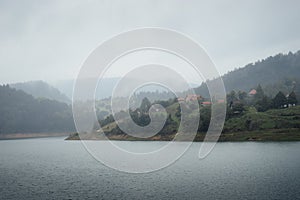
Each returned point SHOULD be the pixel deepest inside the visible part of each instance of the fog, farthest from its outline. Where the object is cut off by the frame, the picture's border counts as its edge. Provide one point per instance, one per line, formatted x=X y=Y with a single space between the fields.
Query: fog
x=50 y=40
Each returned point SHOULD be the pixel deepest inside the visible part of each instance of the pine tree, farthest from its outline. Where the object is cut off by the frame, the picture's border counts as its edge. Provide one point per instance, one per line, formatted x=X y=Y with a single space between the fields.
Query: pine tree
x=242 y=95
x=279 y=100
x=259 y=94
x=231 y=98
x=145 y=106
x=264 y=104
x=292 y=99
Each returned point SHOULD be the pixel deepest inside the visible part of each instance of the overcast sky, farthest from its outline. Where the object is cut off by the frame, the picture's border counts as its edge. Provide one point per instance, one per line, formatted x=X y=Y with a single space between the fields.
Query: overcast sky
x=49 y=40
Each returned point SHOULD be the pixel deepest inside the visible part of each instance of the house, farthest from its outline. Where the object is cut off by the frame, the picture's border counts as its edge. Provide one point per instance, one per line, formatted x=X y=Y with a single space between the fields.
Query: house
x=206 y=103
x=252 y=92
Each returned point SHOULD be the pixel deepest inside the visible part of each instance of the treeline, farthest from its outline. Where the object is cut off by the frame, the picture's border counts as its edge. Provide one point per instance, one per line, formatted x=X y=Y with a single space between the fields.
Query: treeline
x=240 y=105
x=141 y=117
x=22 y=113
x=262 y=102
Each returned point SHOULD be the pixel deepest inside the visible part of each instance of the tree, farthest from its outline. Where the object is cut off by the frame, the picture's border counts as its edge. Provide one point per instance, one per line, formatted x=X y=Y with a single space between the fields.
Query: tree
x=279 y=100
x=22 y=113
x=263 y=105
x=238 y=107
x=292 y=99
x=242 y=95
x=231 y=97
x=204 y=119
x=145 y=106
x=259 y=93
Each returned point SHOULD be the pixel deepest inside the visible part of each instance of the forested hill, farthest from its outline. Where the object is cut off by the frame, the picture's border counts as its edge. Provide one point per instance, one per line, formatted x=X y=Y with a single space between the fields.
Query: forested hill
x=283 y=68
x=22 y=113
x=41 y=89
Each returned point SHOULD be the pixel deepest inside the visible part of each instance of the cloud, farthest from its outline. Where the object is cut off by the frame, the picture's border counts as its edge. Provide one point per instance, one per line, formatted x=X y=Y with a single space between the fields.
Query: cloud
x=50 y=40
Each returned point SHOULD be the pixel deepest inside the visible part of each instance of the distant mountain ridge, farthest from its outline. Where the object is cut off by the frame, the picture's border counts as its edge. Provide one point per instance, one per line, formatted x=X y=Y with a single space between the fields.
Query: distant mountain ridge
x=66 y=86
x=41 y=89
x=266 y=72
x=105 y=87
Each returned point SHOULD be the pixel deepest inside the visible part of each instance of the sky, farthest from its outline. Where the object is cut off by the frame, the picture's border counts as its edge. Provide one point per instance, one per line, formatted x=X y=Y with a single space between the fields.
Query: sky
x=50 y=40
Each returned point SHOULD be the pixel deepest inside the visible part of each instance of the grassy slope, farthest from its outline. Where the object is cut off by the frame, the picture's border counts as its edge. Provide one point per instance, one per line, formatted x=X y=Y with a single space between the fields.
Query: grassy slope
x=252 y=120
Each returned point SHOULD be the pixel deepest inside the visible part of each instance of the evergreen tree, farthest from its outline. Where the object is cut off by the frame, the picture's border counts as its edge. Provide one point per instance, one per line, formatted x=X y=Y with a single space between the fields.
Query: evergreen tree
x=238 y=107
x=231 y=96
x=145 y=106
x=242 y=95
x=279 y=100
x=292 y=99
x=259 y=94
x=263 y=105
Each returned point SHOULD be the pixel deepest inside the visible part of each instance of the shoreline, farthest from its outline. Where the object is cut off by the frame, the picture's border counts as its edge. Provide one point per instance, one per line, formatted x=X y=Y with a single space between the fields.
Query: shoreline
x=277 y=135
x=17 y=136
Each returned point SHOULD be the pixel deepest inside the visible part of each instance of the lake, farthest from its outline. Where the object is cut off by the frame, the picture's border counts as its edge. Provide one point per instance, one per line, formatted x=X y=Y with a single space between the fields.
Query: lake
x=51 y=168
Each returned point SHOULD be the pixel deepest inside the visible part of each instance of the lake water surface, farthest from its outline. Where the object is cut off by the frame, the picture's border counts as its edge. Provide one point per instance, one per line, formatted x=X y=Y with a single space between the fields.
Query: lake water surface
x=51 y=168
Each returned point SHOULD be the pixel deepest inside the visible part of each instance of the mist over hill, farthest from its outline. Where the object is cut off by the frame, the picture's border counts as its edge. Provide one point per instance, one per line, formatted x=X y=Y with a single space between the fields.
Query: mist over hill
x=279 y=70
x=275 y=73
x=66 y=86
x=106 y=86
x=41 y=89
x=37 y=107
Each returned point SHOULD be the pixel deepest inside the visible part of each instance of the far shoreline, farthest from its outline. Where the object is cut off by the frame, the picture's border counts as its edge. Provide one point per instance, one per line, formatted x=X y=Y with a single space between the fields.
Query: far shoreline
x=275 y=135
x=18 y=136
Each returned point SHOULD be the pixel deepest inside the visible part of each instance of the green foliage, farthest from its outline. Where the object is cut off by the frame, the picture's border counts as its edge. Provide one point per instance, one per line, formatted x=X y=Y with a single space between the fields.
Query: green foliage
x=102 y=114
x=205 y=114
x=231 y=97
x=242 y=96
x=140 y=118
x=145 y=106
x=251 y=120
x=292 y=99
x=286 y=85
x=279 y=100
x=238 y=107
x=41 y=89
x=259 y=94
x=266 y=72
x=109 y=119
x=22 y=113
x=263 y=104
x=244 y=114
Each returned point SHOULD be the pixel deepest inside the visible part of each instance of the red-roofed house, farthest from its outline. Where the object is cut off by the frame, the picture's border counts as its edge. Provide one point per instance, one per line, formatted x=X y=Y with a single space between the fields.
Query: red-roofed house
x=252 y=92
x=206 y=103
